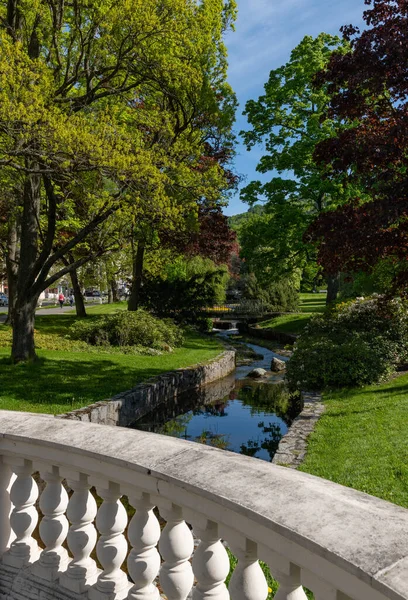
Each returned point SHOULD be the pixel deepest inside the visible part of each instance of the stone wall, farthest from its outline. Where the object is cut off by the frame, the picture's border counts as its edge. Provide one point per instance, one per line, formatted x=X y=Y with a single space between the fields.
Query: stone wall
x=125 y=408
x=292 y=448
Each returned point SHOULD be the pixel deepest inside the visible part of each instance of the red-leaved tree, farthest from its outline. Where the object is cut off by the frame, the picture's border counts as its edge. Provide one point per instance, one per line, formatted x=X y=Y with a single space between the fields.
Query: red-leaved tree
x=369 y=89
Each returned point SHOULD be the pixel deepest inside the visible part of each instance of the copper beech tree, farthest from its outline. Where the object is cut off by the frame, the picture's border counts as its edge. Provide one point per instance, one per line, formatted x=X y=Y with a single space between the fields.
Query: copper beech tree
x=369 y=91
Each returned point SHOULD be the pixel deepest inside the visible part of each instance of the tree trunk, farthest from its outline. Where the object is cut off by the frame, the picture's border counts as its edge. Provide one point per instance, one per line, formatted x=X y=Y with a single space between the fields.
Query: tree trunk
x=333 y=285
x=113 y=285
x=79 y=299
x=134 y=298
x=24 y=296
x=23 y=348
x=23 y=314
x=12 y=259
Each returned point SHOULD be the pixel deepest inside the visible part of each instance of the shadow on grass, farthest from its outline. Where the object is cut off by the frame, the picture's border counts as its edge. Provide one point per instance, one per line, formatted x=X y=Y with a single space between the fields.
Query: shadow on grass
x=401 y=389
x=70 y=382
x=334 y=414
x=57 y=324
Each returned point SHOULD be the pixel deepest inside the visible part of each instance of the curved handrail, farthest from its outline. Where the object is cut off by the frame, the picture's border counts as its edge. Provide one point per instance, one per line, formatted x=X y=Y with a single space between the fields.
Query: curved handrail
x=320 y=526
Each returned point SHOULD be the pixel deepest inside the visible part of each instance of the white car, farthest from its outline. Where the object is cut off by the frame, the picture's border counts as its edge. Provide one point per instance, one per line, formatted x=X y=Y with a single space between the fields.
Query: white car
x=3 y=300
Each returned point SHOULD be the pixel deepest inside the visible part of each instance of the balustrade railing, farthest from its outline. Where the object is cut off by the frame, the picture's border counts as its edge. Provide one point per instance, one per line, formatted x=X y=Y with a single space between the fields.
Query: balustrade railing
x=109 y=513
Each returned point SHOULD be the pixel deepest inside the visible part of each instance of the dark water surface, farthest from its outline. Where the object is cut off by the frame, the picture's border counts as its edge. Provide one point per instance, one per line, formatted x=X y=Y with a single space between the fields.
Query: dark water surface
x=236 y=413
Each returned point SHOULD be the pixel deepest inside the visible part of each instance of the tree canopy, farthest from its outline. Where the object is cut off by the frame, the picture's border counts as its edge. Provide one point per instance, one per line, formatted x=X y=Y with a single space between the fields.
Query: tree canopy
x=369 y=88
x=288 y=120
x=104 y=107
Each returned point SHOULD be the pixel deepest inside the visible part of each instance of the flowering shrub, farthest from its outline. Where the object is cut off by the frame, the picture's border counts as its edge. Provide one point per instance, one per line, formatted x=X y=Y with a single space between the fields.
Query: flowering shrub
x=356 y=343
x=128 y=329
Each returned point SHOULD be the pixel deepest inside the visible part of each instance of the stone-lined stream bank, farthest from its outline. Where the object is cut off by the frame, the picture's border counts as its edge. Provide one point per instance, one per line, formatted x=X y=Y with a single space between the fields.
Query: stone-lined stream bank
x=218 y=404
x=237 y=413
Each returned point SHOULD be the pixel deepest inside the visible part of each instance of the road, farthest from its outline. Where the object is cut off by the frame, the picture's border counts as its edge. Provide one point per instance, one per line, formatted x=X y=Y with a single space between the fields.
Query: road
x=40 y=311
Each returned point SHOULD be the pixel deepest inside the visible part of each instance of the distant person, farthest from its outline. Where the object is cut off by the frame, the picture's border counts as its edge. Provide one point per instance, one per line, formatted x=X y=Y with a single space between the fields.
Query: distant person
x=61 y=299
x=71 y=300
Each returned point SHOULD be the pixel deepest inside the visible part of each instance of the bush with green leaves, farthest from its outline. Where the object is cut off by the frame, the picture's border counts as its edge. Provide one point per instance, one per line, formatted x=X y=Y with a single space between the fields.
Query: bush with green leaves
x=127 y=329
x=185 y=290
x=277 y=296
x=354 y=344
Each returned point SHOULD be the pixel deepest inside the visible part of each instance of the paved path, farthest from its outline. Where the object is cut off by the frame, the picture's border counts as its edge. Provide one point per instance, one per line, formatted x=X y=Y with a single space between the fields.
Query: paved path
x=41 y=311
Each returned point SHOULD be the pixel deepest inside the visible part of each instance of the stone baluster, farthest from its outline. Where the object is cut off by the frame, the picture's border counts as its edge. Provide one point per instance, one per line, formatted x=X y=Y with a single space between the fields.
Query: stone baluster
x=176 y=547
x=143 y=560
x=287 y=574
x=322 y=590
x=7 y=479
x=111 y=549
x=53 y=526
x=24 y=516
x=248 y=581
x=290 y=587
x=81 y=572
x=210 y=562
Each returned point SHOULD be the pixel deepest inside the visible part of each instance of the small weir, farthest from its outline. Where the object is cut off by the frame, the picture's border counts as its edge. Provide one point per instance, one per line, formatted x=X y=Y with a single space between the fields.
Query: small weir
x=236 y=413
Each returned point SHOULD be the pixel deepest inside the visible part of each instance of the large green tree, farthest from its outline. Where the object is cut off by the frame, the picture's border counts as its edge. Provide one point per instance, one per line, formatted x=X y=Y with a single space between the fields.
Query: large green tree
x=107 y=98
x=288 y=121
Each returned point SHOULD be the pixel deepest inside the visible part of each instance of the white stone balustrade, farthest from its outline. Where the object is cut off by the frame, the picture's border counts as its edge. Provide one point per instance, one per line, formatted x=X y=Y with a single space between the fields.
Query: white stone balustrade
x=54 y=558
x=339 y=543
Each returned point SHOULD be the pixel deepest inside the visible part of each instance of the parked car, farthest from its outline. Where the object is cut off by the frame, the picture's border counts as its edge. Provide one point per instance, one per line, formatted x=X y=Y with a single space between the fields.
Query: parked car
x=3 y=300
x=92 y=294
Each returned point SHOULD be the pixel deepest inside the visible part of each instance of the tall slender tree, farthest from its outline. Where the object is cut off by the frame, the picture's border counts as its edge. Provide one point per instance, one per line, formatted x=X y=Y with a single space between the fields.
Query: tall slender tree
x=288 y=120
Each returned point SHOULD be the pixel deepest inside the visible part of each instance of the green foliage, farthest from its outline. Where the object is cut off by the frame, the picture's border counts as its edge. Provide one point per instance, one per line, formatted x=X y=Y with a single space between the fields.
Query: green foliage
x=204 y=324
x=188 y=287
x=127 y=329
x=356 y=343
x=289 y=120
x=379 y=280
x=110 y=113
x=279 y=296
x=237 y=221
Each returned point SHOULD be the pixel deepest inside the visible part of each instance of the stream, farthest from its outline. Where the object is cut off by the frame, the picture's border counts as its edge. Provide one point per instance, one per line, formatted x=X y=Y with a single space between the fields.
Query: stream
x=236 y=413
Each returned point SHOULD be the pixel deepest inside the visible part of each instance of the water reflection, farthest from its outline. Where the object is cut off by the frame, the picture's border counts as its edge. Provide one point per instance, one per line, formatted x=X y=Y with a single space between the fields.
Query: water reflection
x=241 y=415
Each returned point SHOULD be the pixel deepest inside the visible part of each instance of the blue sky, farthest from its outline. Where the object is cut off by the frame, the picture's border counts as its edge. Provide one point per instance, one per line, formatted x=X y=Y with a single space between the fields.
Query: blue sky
x=266 y=32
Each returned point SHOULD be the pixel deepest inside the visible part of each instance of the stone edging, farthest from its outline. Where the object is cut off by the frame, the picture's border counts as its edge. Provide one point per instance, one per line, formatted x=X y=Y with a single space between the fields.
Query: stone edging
x=292 y=448
x=129 y=406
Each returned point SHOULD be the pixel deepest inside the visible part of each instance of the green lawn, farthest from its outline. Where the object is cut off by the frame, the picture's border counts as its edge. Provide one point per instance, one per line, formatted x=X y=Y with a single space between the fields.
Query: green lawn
x=294 y=323
x=60 y=381
x=361 y=440
x=312 y=303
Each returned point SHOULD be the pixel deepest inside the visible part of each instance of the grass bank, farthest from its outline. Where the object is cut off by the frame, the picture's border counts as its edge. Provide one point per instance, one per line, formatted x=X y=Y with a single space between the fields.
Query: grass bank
x=64 y=379
x=361 y=440
x=312 y=303
x=294 y=323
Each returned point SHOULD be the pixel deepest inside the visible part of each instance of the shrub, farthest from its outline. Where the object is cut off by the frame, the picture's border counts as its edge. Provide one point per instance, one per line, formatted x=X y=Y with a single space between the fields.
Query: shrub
x=204 y=324
x=357 y=343
x=183 y=298
x=128 y=329
x=279 y=296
